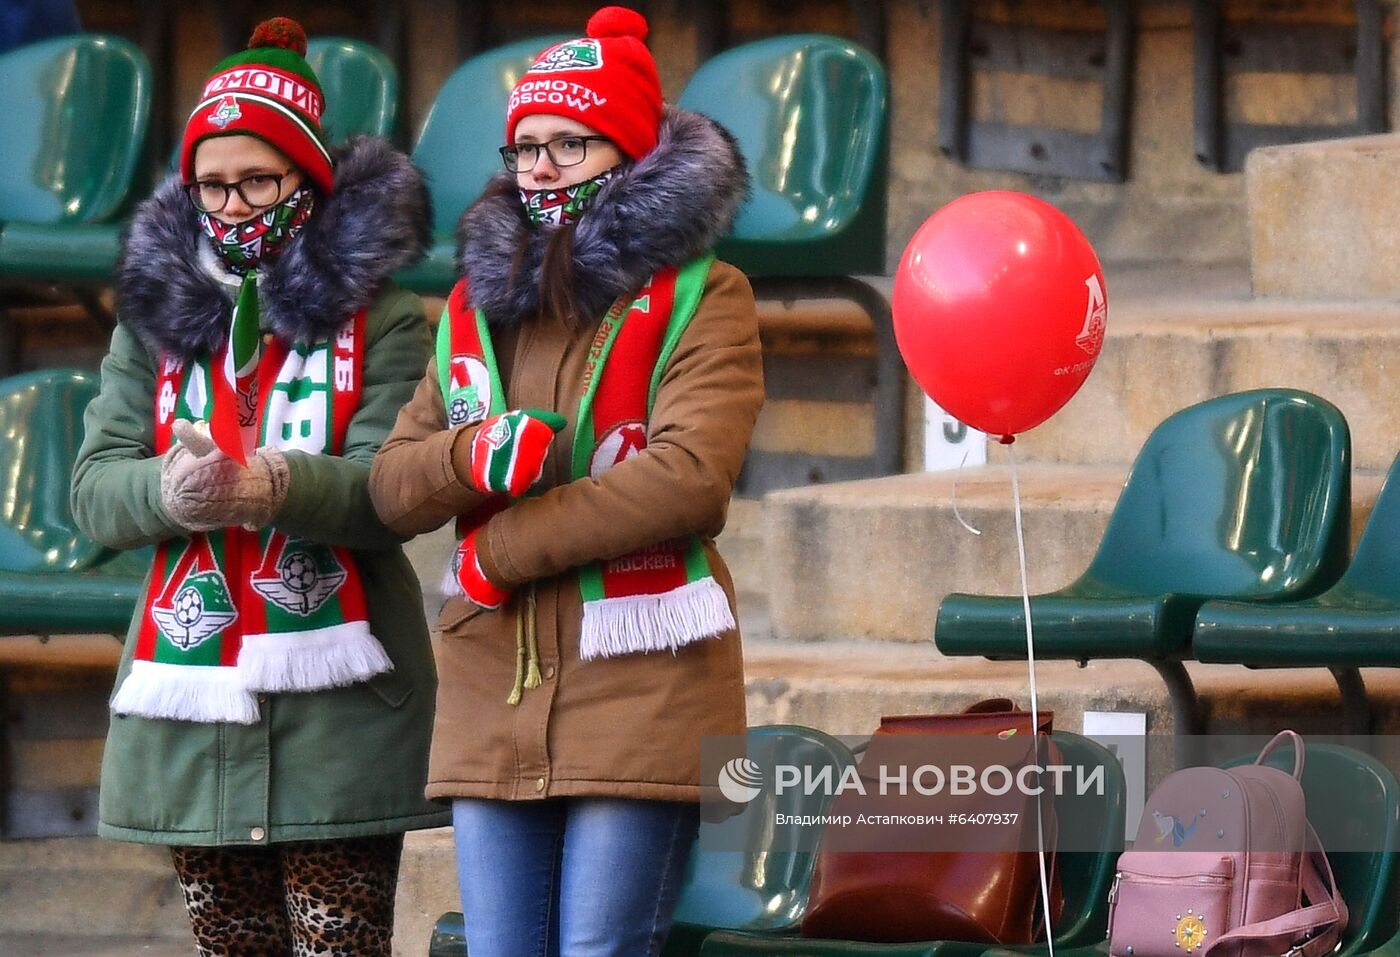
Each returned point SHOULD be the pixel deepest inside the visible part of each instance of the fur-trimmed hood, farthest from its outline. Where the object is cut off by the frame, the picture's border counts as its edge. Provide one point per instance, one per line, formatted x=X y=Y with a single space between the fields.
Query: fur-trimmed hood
x=665 y=209
x=376 y=222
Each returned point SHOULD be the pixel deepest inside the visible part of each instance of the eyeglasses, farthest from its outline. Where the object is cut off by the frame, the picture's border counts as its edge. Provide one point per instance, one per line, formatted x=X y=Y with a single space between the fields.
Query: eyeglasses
x=563 y=151
x=257 y=191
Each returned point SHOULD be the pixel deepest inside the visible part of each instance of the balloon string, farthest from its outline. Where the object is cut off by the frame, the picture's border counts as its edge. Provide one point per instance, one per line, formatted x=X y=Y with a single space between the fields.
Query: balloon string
x=957 y=514
x=1035 y=701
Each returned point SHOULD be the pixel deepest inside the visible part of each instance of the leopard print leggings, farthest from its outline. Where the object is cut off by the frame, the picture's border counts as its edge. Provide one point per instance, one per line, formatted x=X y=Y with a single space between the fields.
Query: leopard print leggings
x=303 y=899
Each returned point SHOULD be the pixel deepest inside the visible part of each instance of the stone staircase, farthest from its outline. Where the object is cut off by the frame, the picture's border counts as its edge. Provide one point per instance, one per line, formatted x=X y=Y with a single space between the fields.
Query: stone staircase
x=854 y=572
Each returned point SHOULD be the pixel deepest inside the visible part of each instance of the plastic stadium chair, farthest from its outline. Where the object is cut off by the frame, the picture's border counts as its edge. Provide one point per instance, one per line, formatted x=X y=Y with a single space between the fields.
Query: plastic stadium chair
x=1091 y=830
x=457 y=149
x=53 y=580
x=1245 y=496
x=762 y=888
x=1354 y=624
x=810 y=114
x=73 y=130
x=360 y=84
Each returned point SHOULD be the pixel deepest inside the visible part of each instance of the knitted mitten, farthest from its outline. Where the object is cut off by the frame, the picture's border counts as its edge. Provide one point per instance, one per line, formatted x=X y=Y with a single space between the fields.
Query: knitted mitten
x=508 y=451
x=203 y=489
x=472 y=579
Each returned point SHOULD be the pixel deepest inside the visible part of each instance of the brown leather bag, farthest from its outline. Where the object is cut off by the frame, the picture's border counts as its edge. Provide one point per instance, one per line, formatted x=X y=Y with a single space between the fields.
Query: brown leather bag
x=982 y=884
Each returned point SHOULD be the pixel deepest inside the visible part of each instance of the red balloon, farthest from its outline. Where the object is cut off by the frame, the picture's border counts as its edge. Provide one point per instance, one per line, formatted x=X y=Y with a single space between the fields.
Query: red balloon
x=999 y=310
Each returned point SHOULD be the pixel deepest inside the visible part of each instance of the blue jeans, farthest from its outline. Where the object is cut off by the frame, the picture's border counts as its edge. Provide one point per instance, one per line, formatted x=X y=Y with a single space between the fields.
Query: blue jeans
x=570 y=877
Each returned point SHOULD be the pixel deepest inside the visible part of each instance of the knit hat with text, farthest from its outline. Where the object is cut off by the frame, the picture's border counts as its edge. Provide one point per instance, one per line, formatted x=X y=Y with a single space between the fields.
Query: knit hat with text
x=606 y=80
x=270 y=92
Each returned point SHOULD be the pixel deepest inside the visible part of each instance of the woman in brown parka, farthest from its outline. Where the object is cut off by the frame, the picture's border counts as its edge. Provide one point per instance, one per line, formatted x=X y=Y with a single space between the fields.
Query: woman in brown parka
x=596 y=383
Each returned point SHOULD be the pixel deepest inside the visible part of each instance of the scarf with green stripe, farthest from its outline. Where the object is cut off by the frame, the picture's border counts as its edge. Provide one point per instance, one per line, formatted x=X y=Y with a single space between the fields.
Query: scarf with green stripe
x=235 y=612
x=661 y=597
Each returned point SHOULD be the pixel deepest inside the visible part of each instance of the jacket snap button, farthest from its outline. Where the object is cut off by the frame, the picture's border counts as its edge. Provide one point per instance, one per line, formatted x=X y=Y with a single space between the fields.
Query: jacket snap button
x=539 y=784
x=549 y=672
x=257 y=834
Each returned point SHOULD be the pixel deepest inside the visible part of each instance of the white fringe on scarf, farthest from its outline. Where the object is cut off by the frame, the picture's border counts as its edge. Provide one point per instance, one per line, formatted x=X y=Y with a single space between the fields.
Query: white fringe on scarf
x=645 y=623
x=186 y=693
x=312 y=660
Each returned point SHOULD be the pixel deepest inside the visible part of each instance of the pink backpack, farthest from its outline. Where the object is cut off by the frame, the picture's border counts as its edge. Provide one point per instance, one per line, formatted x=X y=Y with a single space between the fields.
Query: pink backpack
x=1226 y=865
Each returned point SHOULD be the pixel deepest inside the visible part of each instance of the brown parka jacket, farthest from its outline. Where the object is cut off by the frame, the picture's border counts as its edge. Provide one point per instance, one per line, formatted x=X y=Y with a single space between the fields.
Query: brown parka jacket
x=628 y=726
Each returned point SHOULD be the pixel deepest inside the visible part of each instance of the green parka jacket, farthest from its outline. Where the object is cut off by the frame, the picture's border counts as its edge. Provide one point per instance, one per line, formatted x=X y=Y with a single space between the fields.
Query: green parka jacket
x=345 y=762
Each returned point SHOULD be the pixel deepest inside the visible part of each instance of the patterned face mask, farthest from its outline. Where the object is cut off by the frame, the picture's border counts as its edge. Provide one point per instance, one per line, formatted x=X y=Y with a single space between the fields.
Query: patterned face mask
x=549 y=208
x=244 y=246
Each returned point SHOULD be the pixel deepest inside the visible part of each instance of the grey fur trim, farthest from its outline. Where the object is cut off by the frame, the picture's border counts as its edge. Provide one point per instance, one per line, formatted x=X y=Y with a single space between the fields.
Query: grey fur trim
x=377 y=221
x=663 y=210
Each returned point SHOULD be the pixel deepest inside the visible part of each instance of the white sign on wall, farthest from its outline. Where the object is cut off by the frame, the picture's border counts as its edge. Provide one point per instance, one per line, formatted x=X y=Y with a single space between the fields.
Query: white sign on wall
x=948 y=444
x=1125 y=734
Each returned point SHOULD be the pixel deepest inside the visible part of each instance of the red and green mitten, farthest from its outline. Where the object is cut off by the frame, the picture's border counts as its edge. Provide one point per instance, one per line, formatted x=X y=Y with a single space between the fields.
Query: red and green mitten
x=508 y=450
x=472 y=579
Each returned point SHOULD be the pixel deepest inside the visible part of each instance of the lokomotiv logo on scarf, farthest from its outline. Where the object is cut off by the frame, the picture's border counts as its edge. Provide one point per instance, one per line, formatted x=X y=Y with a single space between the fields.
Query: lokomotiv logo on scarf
x=620 y=443
x=470 y=396
x=298 y=576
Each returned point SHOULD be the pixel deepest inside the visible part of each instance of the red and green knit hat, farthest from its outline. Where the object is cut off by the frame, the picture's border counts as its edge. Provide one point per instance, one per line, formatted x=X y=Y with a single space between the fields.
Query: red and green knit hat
x=270 y=92
x=606 y=80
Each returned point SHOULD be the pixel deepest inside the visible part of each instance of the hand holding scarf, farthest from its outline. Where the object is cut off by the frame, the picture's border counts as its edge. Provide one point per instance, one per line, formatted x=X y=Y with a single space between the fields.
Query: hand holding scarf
x=203 y=489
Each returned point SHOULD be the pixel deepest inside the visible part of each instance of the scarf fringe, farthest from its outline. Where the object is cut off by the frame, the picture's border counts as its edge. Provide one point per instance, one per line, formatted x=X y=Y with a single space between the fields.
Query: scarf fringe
x=312 y=660
x=186 y=693
x=646 y=623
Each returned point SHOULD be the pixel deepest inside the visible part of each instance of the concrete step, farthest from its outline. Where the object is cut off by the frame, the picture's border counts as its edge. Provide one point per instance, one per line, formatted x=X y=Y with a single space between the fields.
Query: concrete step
x=843 y=687
x=1161 y=355
x=90 y=887
x=1322 y=219
x=427 y=889
x=872 y=559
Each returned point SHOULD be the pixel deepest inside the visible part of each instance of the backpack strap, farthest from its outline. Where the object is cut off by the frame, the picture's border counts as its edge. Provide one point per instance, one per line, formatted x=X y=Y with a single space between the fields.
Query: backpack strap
x=1294 y=738
x=1310 y=931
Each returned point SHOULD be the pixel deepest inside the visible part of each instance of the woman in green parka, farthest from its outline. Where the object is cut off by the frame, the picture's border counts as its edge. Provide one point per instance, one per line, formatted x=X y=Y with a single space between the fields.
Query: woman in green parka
x=273 y=706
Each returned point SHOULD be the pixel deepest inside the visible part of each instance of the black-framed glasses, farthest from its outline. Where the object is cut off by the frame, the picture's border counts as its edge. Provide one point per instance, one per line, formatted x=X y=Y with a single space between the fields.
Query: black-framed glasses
x=257 y=191
x=563 y=151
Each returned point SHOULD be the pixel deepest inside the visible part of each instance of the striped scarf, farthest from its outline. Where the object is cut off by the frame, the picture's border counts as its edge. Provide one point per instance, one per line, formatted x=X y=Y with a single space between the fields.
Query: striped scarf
x=663 y=596
x=233 y=612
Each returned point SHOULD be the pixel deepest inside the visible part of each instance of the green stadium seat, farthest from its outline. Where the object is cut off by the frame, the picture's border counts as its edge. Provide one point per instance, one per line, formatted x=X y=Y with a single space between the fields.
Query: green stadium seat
x=73 y=128
x=810 y=114
x=1245 y=496
x=74 y=132
x=457 y=150
x=1354 y=624
x=360 y=84
x=1091 y=830
x=762 y=888
x=54 y=580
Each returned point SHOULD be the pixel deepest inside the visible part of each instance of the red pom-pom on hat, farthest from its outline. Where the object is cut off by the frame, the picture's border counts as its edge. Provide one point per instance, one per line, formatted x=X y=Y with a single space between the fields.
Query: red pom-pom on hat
x=281 y=32
x=617 y=22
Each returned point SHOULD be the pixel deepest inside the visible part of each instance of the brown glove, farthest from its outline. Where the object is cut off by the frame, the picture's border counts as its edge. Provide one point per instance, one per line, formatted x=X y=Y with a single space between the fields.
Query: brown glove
x=203 y=489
